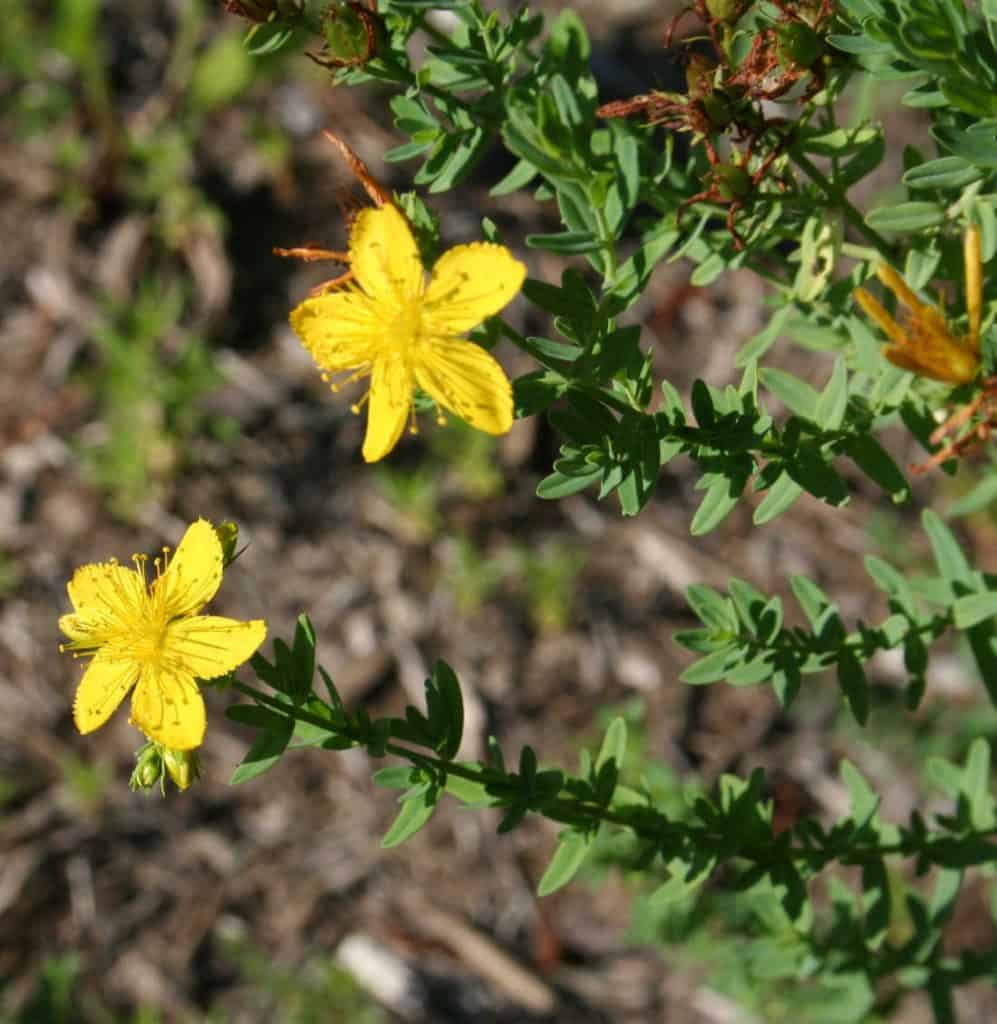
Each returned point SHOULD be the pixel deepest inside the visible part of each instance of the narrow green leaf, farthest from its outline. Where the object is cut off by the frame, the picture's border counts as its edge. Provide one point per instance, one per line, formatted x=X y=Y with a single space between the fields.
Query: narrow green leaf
x=572 y=849
x=614 y=744
x=797 y=395
x=519 y=177
x=948 y=554
x=904 y=218
x=779 y=497
x=718 y=502
x=265 y=751
x=834 y=398
x=854 y=686
x=415 y=812
x=945 y=172
x=865 y=801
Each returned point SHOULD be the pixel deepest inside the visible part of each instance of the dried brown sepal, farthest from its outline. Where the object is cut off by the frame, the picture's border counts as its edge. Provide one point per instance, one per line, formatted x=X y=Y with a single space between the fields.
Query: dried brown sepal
x=262 y=11
x=311 y=252
x=979 y=416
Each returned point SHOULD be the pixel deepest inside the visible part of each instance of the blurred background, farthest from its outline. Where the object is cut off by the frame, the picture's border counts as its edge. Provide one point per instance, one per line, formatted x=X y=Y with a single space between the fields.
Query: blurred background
x=148 y=376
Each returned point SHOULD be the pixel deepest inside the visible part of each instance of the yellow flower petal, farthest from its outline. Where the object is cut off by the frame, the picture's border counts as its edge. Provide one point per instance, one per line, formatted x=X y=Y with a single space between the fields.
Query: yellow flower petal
x=104 y=586
x=340 y=330
x=384 y=257
x=102 y=688
x=208 y=646
x=388 y=409
x=467 y=380
x=470 y=283
x=194 y=573
x=169 y=709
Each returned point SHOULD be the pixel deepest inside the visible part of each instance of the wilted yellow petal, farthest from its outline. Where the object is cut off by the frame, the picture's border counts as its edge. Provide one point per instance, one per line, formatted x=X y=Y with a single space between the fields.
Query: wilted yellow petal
x=208 y=646
x=341 y=330
x=388 y=408
x=467 y=380
x=973 y=259
x=169 y=709
x=384 y=257
x=102 y=688
x=194 y=574
x=469 y=284
x=875 y=311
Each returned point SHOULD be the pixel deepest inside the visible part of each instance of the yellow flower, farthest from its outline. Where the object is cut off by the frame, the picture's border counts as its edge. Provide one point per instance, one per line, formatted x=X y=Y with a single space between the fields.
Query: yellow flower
x=925 y=344
x=403 y=332
x=147 y=634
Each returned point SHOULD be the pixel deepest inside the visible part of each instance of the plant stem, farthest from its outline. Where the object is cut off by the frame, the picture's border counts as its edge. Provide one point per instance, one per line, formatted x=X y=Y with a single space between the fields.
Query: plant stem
x=838 y=198
x=656 y=827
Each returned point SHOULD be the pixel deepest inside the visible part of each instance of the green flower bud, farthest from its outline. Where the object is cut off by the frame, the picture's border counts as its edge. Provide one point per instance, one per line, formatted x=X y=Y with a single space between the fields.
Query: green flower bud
x=228 y=537
x=148 y=768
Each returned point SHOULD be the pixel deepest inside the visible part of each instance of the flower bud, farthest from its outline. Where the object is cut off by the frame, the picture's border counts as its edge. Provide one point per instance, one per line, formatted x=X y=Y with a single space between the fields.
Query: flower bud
x=148 y=768
x=183 y=766
x=228 y=536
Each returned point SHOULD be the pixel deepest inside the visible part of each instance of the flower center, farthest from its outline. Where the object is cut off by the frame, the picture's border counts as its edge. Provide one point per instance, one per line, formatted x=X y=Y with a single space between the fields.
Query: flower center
x=405 y=327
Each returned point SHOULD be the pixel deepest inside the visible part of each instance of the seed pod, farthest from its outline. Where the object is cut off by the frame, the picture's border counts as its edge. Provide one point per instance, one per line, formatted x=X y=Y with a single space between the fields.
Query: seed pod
x=725 y=11
x=733 y=182
x=797 y=43
x=350 y=31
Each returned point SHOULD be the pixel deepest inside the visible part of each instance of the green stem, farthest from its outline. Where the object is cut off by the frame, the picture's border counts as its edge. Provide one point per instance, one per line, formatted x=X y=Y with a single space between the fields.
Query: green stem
x=837 y=195
x=574 y=810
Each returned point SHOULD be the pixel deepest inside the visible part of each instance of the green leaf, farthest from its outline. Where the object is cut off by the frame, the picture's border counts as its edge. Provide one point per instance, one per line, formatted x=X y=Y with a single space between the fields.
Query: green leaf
x=565 y=242
x=614 y=744
x=722 y=494
x=779 y=497
x=854 y=685
x=572 y=849
x=558 y=485
x=948 y=554
x=877 y=464
x=905 y=218
x=945 y=172
x=415 y=812
x=710 y=669
x=265 y=751
x=797 y=395
x=444 y=685
x=519 y=177
x=976 y=785
x=893 y=583
x=711 y=608
x=816 y=605
x=983 y=494
x=974 y=608
x=865 y=801
x=834 y=398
